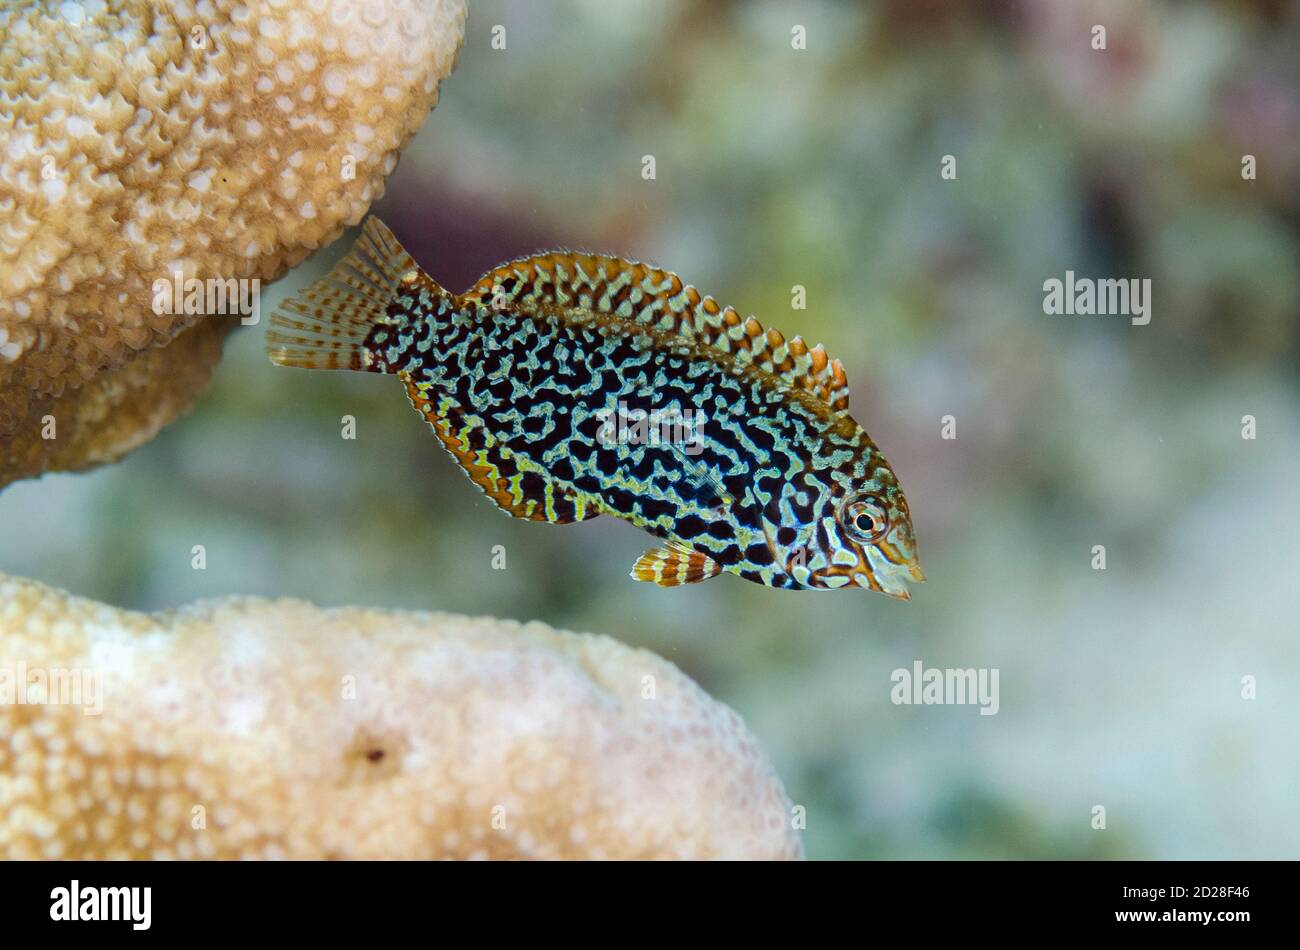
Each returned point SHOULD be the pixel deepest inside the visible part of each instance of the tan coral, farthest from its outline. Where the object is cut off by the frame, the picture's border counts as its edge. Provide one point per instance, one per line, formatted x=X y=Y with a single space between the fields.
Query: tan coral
x=218 y=139
x=251 y=728
x=120 y=409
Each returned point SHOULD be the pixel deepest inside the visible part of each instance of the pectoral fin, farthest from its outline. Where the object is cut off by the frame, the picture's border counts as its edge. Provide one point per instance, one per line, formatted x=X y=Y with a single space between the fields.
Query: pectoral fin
x=674 y=564
x=708 y=488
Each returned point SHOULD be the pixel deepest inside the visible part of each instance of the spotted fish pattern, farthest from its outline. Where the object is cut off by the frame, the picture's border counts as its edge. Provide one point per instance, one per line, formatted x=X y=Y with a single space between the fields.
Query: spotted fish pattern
x=569 y=385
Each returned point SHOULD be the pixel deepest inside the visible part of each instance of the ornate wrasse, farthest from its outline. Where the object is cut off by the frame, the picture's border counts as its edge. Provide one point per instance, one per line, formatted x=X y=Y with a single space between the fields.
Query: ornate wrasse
x=569 y=385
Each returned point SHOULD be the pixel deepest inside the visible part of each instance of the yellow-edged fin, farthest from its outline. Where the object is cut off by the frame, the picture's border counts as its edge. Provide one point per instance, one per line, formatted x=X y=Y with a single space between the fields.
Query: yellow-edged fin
x=526 y=492
x=639 y=292
x=673 y=565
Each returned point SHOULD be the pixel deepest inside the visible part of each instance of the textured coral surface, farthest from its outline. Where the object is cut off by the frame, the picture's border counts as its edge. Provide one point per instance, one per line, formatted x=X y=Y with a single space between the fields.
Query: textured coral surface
x=215 y=139
x=253 y=728
x=117 y=411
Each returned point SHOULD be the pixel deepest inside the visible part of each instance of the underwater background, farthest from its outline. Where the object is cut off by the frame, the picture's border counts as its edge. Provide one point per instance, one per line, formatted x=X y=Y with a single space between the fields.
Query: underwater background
x=821 y=167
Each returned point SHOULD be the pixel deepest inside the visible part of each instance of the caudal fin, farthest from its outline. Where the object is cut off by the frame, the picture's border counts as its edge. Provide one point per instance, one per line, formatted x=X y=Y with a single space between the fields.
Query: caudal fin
x=325 y=326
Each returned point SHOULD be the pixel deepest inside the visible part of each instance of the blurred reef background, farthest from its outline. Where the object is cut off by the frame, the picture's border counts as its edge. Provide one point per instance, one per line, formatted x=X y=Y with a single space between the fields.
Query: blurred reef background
x=820 y=167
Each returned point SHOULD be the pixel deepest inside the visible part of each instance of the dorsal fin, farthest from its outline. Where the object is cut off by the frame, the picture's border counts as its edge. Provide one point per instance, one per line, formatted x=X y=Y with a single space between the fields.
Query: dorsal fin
x=635 y=291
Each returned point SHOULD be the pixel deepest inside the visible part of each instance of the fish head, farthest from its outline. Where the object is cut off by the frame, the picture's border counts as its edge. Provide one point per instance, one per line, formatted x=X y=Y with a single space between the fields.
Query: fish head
x=875 y=545
x=860 y=537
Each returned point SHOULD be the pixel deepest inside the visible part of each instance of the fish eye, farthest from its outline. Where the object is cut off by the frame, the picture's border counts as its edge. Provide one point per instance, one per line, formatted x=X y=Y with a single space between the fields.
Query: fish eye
x=864 y=518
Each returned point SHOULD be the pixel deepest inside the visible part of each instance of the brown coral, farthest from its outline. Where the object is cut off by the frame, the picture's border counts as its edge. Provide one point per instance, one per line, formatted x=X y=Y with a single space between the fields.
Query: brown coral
x=250 y=728
x=215 y=139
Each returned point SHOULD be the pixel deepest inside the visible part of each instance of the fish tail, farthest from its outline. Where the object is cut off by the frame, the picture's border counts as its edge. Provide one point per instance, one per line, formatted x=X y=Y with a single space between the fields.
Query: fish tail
x=327 y=325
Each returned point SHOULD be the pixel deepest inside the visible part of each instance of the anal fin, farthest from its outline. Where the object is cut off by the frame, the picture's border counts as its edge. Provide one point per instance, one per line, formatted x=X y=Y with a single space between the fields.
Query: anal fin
x=517 y=487
x=674 y=564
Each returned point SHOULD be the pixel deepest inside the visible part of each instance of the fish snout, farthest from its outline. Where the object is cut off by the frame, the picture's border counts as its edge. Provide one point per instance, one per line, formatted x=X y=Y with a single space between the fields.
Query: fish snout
x=890 y=579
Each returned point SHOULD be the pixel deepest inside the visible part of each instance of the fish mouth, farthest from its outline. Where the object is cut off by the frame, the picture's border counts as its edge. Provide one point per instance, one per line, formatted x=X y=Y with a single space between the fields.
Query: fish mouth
x=892 y=585
x=893 y=582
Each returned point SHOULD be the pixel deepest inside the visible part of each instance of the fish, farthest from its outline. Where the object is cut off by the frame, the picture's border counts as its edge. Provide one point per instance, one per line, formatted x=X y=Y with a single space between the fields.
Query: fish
x=569 y=385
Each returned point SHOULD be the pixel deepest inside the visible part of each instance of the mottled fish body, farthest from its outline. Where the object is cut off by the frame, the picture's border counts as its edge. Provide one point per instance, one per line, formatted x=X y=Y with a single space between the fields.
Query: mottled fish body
x=568 y=385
